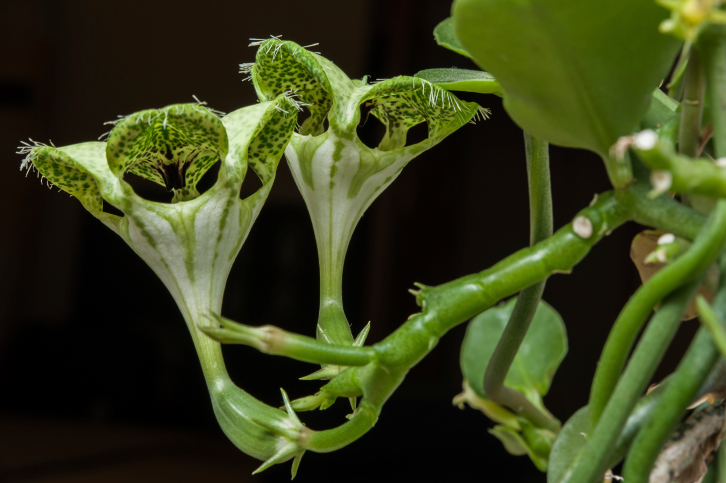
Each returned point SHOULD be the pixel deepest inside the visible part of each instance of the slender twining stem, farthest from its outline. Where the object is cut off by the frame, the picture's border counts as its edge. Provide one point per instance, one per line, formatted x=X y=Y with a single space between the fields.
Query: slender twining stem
x=713 y=51
x=540 y=208
x=703 y=352
x=687 y=175
x=591 y=463
x=681 y=391
x=702 y=253
x=691 y=107
x=711 y=322
x=646 y=406
x=664 y=212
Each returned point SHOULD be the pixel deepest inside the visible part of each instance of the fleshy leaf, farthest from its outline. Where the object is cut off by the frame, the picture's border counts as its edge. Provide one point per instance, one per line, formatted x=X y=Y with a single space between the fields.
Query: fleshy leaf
x=512 y=441
x=463 y=80
x=446 y=37
x=569 y=443
x=539 y=356
x=403 y=102
x=173 y=146
x=577 y=74
x=517 y=445
x=492 y=410
x=282 y=66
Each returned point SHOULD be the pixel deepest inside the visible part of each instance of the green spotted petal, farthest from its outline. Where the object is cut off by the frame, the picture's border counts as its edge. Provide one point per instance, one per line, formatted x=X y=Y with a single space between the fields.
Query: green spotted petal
x=403 y=102
x=80 y=170
x=173 y=146
x=66 y=173
x=260 y=133
x=283 y=66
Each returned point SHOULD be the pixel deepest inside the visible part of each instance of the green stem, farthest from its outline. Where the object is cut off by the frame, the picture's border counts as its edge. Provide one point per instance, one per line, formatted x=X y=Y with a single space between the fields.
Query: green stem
x=710 y=322
x=663 y=213
x=333 y=325
x=690 y=176
x=452 y=303
x=275 y=341
x=715 y=382
x=691 y=107
x=540 y=208
x=620 y=171
x=681 y=391
x=702 y=253
x=713 y=50
x=592 y=462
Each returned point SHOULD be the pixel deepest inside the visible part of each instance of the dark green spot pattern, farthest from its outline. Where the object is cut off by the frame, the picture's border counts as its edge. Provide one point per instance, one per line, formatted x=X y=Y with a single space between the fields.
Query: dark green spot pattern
x=403 y=102
x=266 y=148
x=173 y=146
x=67 y=174
x=285 y=66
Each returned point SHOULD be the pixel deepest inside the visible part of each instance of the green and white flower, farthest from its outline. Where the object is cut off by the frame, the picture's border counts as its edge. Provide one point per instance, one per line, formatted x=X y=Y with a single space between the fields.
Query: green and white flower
x=192 y=242
x=338 y=175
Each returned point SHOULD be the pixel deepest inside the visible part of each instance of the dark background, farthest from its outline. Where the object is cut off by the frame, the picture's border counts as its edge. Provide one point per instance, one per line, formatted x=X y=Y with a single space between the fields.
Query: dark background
x=99 y=380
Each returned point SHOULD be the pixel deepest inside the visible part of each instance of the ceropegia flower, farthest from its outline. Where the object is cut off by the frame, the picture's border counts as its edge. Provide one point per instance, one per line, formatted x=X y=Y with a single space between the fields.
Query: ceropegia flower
x=338 y=175
x=191 y=243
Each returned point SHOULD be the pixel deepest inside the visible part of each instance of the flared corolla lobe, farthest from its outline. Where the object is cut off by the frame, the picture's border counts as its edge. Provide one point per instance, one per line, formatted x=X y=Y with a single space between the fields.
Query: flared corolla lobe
x=337 y=174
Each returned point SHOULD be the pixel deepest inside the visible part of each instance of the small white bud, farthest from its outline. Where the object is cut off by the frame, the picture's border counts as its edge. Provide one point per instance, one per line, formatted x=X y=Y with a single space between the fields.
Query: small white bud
x=582 y=226
x=646 y=140
x=666 y=239
x=661 y=180
x=721 y=162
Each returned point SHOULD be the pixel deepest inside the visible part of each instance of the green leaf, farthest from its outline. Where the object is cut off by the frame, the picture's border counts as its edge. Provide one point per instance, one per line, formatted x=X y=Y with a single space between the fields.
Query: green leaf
x=173 y=146
x=512 y=441
x=569 y=443
x=539 y=356
x=464 y=80
x=662 y=109
x=446 y=37
x=577 y=74
x=518 y=444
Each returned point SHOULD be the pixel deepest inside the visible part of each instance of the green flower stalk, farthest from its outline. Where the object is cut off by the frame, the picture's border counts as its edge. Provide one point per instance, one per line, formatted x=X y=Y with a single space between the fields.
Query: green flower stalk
x=192 y=242
x=339 y=176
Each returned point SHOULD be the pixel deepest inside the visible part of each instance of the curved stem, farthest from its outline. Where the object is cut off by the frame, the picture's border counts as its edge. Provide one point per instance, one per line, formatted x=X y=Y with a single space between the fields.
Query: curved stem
x=713 y=50
x=704 y=250
x=275 y=341
x=445 y=306
x=681 y=390
x=663 y=213
x=691 y=107
x=620 y=171
x=715 y=382
x=540 y=208
x=592 y=462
